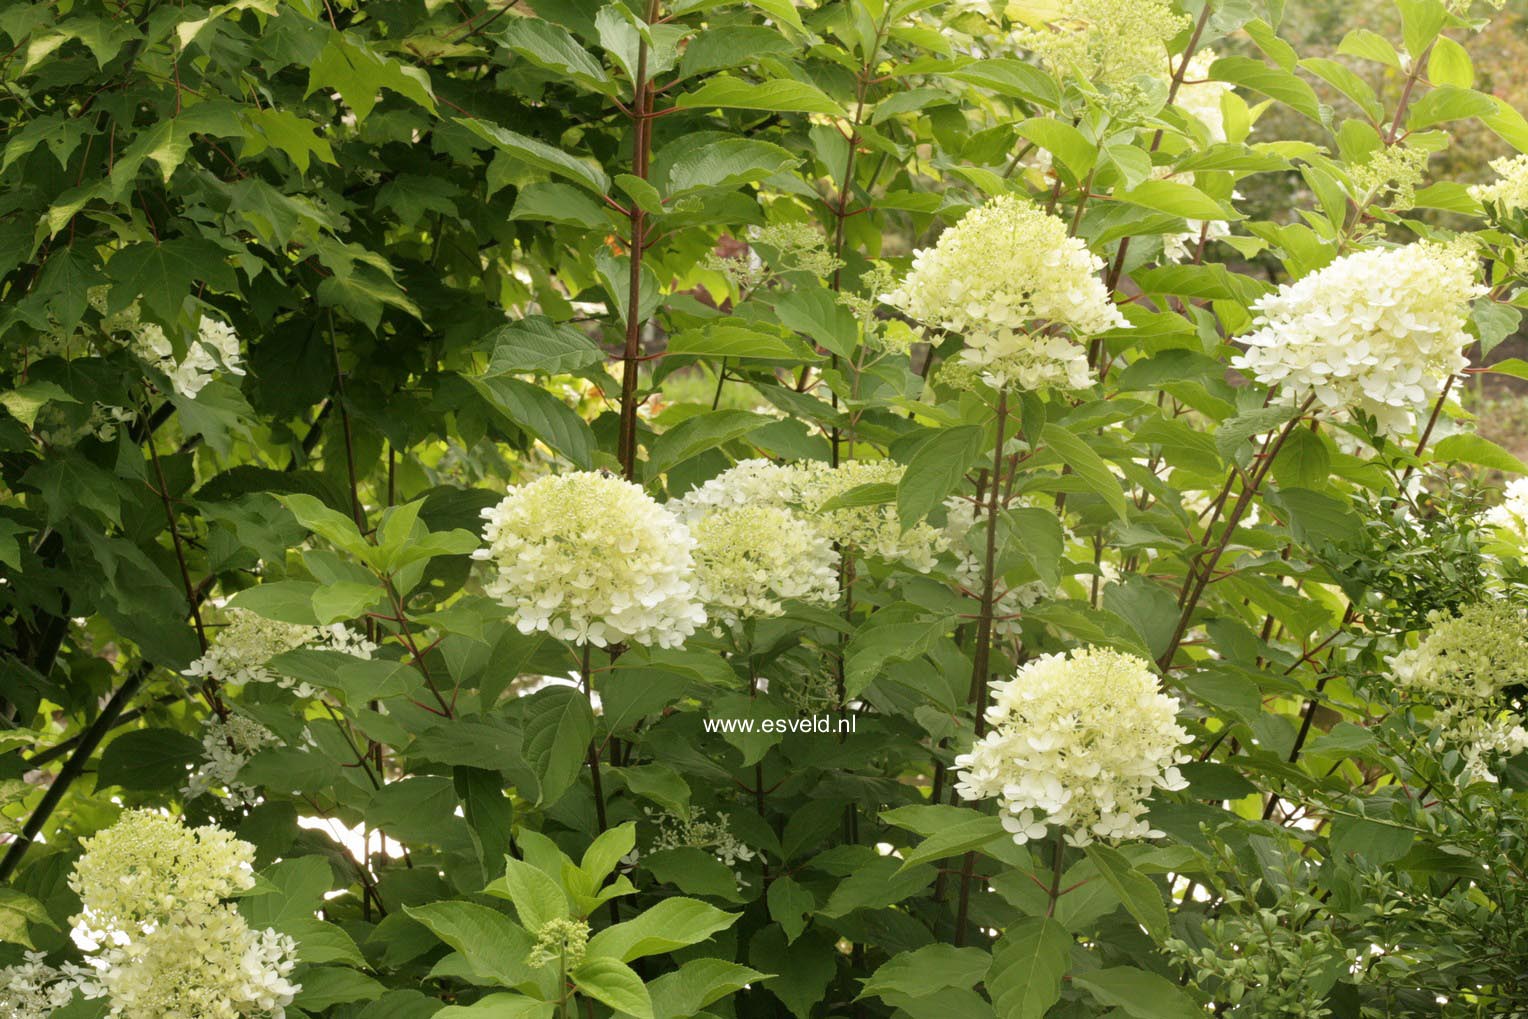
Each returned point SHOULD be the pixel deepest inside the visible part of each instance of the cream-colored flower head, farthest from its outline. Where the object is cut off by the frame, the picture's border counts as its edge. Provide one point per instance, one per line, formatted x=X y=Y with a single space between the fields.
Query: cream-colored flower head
x=590 y=557
x=1460 y=668
x=874 y=531
x=1509 y=191
x=1078 y=741
x=216 y=348
x=243 y=649
x=804 y=488
x=207 y=965
x=1107 y=42
x=750 y=559
x=1377 y=331
x=227 y=745
x=1010 y=280
x=32 y=989
x=147 y=868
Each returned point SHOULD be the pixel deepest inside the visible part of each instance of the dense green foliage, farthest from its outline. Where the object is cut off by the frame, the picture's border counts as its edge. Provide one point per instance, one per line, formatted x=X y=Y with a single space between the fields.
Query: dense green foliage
x=463 y=246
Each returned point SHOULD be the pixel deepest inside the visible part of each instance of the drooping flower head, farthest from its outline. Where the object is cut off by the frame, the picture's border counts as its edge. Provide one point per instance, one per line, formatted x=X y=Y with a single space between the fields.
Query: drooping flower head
x=1010 y=280
x=227 y=745
x=1460 y=668
x=1079 y=741
x=32 y=989
x=1106 y=42
x=1377 y=331
x=1509 y=192
x=244 y=648
x=805 y=488
x=750 y=559
x=590 y=557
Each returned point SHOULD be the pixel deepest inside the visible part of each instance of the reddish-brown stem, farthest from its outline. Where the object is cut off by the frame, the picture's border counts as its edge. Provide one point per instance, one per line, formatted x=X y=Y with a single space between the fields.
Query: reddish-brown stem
x=981 y=654
x=641 y=150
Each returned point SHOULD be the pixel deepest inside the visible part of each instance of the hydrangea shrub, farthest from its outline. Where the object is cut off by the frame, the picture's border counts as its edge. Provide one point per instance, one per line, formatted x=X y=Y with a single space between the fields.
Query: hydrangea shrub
x=523 y=509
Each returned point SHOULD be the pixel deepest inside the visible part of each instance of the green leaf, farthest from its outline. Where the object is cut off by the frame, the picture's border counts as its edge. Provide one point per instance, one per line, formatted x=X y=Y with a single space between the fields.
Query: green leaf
x=537 y=899
x=148 y=759
x=18 y=912
x=161 y=274
x=1469 y=448
x=537 y=344
x=1028 y=963
x=1140 y=896
x=553 y=202
x=818 y=314
x=539 y=154
x=926 y=970
x=961 y=837
x=325 y=986
x=553 y=48
x=539 y=413
x=614 y=983
x=606 y=851
x=286 y=601
x=695 y=435
x=493 y=944
x=1445 y=103
x=1176 y=199
x=1063 y=141
x=936 y=469
x=358 y=73
x=726 y=164
x=735 y=339
x=500 y=1006
x=777 y=96
x=1450 y=64
x=1274 y=82
x=26 y=400
x=1140 y=994
x=1086 y=464
x=671 y=923
x=558 y=727
x=1421 y=21
x=698 y=983
x=1231 y=434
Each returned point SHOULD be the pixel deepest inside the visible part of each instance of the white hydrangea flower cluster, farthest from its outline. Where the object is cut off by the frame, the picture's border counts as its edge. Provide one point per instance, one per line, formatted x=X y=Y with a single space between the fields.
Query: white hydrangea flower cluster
x=1078 y=741
x=805 y=487
x=1010 y=603
x=1511 y=514
x=750 y=559
x=1377 y=330
x=869 y=530
x=243 y=650
x=215 y=348
x=1010 y=280
x=590 y=557
x=162 y=940
x=227 y=745
x=1509 y=191
x=1107 y=42
x=1460 y=668
x=692 y=830
x=212 y=966
x=32 y=989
